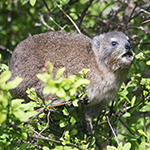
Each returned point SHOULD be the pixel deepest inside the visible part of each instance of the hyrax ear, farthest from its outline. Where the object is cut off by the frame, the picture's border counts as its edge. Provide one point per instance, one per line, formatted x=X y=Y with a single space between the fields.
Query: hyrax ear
x=96 y=43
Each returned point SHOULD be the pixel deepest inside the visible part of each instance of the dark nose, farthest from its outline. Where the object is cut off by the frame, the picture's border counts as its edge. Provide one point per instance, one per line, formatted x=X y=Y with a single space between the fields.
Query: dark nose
x=128 y=46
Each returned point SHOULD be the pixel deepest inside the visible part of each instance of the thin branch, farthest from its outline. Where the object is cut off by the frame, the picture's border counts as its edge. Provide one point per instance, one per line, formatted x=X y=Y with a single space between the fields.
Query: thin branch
x=55 y=141
x=144 y=53
x=5 y=49
x=112 y=130
x=47 y=122
x=129 y=19
x=143 y=104
x=62 y=28
x=68 y=17
x=94 y=127
x=140 y=12
x=141 y=41
x=84 y=12
x=43 y=21
x=39 y=112
x=125 y=126
x=146 y=21
x=139 y=28
x=46 y=5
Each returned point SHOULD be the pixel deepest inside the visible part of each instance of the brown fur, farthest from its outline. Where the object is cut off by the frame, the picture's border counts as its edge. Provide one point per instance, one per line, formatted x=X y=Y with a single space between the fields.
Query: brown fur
x=108 y=65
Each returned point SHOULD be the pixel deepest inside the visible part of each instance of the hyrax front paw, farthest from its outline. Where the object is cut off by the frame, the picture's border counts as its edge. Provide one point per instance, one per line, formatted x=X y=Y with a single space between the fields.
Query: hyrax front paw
x=88 y=128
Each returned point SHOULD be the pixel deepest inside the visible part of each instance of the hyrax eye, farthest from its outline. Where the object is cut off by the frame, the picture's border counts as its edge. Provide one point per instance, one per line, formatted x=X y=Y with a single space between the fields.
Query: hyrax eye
x=113 y=43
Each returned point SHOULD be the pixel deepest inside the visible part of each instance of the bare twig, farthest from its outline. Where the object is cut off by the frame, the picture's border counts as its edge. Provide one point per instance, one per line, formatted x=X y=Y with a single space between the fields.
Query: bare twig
x=39 y=112
x=142 y=10
x=6 y=49
x=68 y=17
x=43 y=21
x=55 y=141
x=141 y=41
x=144 y=53
x=139 y=28
x=125 y=126
x=94 y=128
x=146 y=21
x=47 y=122
x=46 y=5
x=112 y=130
x=84 y=12
x=143 y=104
x=129 y=19
x=41 y=137
x=62 y=28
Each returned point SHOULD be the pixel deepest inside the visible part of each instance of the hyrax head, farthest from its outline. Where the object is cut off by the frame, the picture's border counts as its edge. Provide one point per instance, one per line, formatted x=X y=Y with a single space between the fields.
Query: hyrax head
x=114 y=50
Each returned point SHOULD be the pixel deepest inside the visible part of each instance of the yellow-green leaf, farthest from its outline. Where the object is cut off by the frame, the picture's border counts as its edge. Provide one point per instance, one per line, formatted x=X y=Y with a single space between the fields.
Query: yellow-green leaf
x=32 y=2
x=12 y=84
x=5 y=76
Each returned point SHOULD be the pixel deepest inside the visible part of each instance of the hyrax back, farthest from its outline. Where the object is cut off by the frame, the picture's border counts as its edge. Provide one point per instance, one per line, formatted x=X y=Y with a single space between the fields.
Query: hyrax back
x=71 y=51
x=108 y=56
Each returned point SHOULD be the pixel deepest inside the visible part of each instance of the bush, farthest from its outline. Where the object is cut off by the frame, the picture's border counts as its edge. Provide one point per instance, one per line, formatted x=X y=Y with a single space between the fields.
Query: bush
x=36 y=124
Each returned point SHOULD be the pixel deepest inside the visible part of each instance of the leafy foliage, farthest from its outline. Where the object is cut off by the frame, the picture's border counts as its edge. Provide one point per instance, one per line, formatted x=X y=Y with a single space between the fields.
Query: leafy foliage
x=127 y=123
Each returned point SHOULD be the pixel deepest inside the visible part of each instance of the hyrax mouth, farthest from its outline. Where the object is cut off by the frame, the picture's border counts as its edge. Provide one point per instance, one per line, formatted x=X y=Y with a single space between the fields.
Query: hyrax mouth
x=128 y=54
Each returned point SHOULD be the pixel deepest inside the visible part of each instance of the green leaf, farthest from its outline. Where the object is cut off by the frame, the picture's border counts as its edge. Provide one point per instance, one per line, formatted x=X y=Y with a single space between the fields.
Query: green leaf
x=145 y=108
x=92 y=141
x=60 y=72
x=127 y=114
x=63 y=123
x=24 y=135
x=73 y=132
x=83 y=72
x=23 y=111
x=12 y=84
x=67 y=136
x=44 y=77
x=81 y=82
x=65 y=111
x=60 y=92
x=127 y=146
x=72 y=120
x=73 y=91
x=23 y=146
x=111 y=148
x=17 y=102
x=148 y=62
x=3 y=115
x=3 y=101
x=133 y=101
x=23 y=2
x=4 y=67
x=0 y=57
x=48 y=89
x=24 y=116
x=5 y=76
x=45 y=148
x=142 y=132
x=125 y=97
x=28 y=106
x=32 y=2
x=119 y=146
x=75 y=103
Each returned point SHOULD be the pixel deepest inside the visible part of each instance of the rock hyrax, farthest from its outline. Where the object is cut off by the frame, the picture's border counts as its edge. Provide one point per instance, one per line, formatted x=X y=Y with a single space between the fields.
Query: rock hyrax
x=108 y=56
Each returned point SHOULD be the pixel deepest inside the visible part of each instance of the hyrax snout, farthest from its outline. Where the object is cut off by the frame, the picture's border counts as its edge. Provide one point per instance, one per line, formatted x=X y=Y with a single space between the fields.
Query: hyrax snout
x=108 y=56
